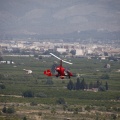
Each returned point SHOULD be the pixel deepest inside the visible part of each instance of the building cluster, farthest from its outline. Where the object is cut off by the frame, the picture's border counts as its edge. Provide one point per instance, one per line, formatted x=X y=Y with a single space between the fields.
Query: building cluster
x=72 y=48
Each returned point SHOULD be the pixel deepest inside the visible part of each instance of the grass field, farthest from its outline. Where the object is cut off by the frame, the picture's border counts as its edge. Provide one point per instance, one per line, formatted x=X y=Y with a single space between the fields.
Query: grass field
x=78 y=104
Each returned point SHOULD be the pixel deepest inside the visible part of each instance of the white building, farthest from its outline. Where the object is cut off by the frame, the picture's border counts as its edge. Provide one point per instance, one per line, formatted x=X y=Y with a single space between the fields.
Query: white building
x=89 y=51
x=79 y=52
x=61 y=50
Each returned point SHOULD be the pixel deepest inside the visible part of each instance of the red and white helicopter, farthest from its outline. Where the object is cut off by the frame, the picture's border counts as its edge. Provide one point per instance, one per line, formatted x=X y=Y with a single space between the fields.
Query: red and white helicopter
x=61 y=71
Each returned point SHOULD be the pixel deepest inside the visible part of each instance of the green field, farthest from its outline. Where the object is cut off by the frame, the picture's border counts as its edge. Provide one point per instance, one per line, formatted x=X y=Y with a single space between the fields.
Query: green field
x=78 y=104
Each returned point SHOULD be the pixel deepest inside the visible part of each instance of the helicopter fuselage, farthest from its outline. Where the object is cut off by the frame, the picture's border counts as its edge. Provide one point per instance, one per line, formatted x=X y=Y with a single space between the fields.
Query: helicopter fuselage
x=61 y=71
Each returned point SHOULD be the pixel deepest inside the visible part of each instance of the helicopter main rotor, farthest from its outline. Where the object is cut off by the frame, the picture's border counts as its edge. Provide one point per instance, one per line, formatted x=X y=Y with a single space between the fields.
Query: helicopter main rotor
x=61 y=59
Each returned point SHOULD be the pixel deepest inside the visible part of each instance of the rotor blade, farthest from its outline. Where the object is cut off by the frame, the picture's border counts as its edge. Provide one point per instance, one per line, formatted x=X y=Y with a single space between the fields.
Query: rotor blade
x=60 y=58
x=55 y=56
x=66 y=62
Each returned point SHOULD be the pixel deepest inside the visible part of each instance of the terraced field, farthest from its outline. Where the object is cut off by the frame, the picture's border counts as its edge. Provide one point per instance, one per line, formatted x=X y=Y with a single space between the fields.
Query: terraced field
x=54 y=101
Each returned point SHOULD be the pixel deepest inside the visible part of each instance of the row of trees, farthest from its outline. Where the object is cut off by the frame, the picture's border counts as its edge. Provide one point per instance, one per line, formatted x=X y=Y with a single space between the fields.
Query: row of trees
x=81 y=85
x=9 y=110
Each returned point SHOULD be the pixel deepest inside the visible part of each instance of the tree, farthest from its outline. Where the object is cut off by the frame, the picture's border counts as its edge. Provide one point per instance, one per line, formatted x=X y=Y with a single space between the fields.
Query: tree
x=70 y=85
x=53 y=67
x=73 y=52
x=98 y=84
x=77 y=87
x=16 y=50
x=105 y=53
x=46 y=52
x=83 y=84
x=90 y=85
x=106 y=85
x=1 y=58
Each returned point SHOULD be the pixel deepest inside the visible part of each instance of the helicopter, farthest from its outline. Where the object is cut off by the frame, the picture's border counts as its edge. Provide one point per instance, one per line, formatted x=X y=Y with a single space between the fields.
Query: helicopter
x=61 y=71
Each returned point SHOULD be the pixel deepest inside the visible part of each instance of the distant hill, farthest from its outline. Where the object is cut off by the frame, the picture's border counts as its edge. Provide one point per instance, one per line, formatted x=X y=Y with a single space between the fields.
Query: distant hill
x=83 y=35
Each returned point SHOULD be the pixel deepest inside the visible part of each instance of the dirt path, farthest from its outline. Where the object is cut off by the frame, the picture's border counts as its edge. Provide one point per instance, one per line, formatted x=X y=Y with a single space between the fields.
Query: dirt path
x=18 y=96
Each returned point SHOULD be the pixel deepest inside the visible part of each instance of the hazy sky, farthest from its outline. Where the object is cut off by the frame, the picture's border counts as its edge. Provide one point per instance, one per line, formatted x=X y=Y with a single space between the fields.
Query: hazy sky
x=58 y=16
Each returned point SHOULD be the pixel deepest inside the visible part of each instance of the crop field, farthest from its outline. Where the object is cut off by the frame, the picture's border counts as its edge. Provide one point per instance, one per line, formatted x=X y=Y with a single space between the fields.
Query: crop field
x=50 y=99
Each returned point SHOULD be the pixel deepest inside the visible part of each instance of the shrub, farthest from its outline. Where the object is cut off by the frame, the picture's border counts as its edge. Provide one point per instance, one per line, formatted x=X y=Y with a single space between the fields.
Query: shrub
x=53 y=111
x=40 y=113
x=60 y=101
x=65 y=107
x=33 y=104
x=76 y=110
x=88 y=108
x=9 y=110
x=41 y=94
x=4 y=110
x=2 y=86
x=28 y=93
x=114 y=116
x=70 y=109
x=24 y=118
x=104 y=76
x=102 y=88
